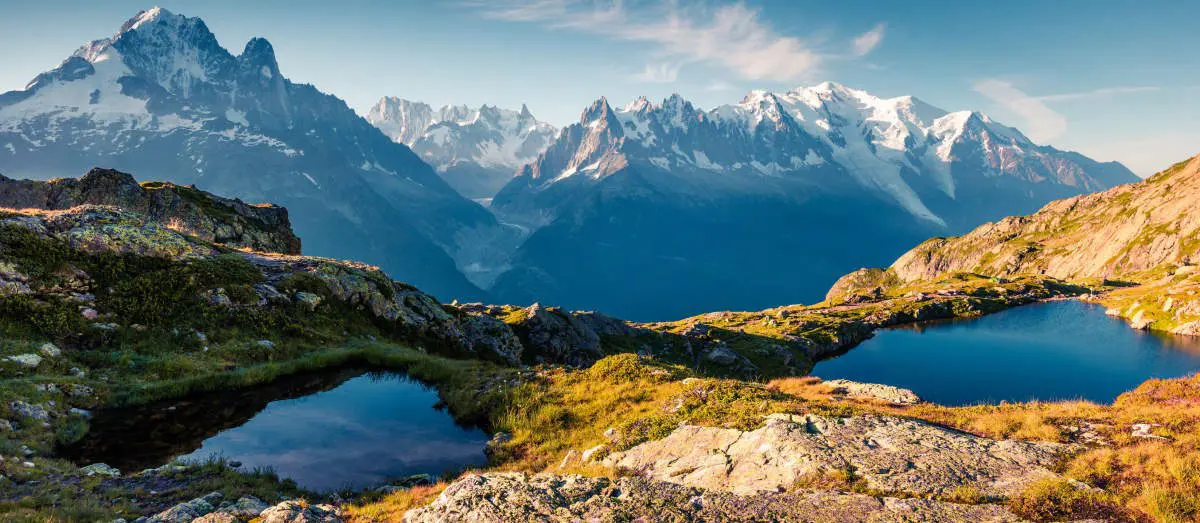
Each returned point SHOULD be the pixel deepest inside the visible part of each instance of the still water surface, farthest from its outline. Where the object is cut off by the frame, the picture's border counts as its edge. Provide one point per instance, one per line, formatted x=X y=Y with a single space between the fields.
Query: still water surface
x=1046 y=351
x=326 y=431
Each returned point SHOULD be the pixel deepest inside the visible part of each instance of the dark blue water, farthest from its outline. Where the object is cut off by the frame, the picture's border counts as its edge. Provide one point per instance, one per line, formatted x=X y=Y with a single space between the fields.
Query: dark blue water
x=1045 y=351
x=327 y=431
x=368 y=430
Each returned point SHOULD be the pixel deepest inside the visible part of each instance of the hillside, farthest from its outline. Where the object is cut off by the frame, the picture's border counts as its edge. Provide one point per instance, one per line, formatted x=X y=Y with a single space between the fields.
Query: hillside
x=1144 y=233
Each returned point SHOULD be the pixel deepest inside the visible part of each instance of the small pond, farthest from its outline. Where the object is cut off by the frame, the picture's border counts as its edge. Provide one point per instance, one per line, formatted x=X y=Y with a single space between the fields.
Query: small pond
x=342 y=429
x=1045 y=351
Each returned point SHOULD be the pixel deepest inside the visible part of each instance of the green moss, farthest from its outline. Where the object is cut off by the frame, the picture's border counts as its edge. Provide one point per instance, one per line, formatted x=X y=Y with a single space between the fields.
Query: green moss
x=304 y=282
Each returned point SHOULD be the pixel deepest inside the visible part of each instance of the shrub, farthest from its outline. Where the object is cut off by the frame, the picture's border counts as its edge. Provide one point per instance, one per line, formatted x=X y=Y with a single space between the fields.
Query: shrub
x=1056 y=499
x=619 y=368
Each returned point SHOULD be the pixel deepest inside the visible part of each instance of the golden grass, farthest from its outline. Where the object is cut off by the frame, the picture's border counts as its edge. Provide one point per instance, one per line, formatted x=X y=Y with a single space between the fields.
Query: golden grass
x=1128 y=478
x=393 y=506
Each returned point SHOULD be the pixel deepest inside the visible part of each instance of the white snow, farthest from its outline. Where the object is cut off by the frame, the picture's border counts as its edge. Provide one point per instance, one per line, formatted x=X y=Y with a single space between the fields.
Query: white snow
x=875 y=139
x=703 y=162
x=237 y=117
x=310 y=178
x=488 y=136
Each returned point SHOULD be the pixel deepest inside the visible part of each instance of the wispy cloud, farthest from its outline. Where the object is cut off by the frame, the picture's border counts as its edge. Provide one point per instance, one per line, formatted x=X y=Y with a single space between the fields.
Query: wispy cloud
x=720 y=85
x=661 y=73
x=1096 y=93
x=867 y=41
x=1041 y=122
x=731 y=36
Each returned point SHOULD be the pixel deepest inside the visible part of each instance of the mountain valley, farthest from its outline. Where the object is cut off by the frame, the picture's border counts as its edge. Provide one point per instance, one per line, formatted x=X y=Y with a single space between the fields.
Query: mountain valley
x=229 y=297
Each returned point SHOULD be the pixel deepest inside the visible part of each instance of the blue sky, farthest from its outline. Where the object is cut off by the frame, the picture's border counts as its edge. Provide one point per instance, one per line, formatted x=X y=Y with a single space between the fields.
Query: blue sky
x=1117 y=80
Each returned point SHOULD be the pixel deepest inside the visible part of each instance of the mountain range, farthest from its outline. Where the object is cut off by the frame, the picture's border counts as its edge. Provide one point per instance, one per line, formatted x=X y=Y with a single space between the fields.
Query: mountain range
x=475 y=150
x=648 y=211
x=162 y=99
x=653 y=208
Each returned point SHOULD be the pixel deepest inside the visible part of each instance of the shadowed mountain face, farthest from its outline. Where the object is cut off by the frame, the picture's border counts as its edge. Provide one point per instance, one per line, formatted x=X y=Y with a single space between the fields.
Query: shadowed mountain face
x=162 y=100
x=656 y=210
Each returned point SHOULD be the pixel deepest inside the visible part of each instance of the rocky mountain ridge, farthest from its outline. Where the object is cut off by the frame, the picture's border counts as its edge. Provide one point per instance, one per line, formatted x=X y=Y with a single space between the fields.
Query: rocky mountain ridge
x=476 y=151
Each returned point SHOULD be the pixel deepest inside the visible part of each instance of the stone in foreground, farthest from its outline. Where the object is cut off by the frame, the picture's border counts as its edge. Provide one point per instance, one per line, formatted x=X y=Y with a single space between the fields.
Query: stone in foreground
x=508 y=497
x=889 y=454
x=874 y=391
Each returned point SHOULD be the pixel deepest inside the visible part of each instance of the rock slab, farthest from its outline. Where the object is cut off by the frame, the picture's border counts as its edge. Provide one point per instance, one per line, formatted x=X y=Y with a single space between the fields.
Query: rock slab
x=890 y=454
x=509 y=497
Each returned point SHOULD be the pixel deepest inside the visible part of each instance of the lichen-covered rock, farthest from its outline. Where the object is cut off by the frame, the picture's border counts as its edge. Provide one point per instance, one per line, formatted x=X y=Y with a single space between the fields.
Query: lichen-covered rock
x=308 y=300
x=508 y=497
x=29 y=410
x=553 y=335
x=260 y=227
x=491 y=338
x=861 y=281
x=874 y=391
x=216 y=517
x=12 y=281
x=298 y=512
x=1191 y=328
x=186 y=512
x=889 y=454
x=100 y=469
x=97 y=229
x=50 y=350
x=245 y=508
x=29 y=361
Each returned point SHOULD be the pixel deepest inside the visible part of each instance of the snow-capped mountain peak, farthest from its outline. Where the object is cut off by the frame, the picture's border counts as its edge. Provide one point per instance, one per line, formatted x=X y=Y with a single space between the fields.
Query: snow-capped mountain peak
x=476 y=150
x=161 y=98
x=900 y=148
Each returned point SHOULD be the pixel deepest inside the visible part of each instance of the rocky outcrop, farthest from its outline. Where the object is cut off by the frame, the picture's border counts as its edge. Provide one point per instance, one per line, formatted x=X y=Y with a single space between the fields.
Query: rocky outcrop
x=873 y=391
x=505 y=497
x=554 y=335
x=298 y=512
x=260 y=227
x=888 y=454
x=95 y=229
x=857 y=280
x=211 y=509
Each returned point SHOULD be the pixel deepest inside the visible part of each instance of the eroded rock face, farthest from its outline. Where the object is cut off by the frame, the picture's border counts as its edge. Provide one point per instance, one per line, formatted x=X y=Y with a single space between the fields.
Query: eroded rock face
x=260 y=227
x=506 y=497
x=890 y=454
x=554 y=335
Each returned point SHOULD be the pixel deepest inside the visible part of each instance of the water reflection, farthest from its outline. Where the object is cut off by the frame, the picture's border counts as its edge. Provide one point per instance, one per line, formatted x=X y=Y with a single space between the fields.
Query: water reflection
x=326 y=431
